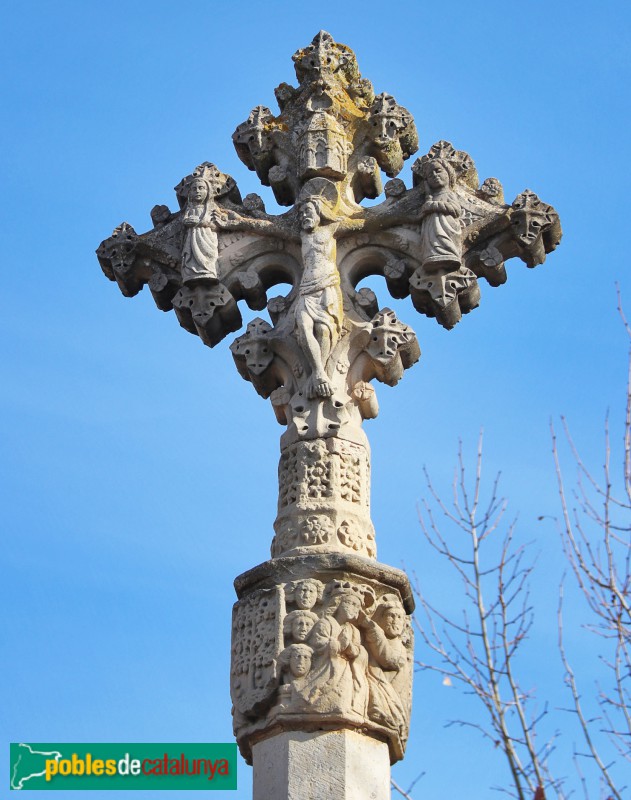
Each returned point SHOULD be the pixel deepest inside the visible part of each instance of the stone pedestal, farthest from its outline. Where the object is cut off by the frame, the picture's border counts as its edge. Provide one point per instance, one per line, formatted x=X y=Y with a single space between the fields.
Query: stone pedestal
x=333 y=765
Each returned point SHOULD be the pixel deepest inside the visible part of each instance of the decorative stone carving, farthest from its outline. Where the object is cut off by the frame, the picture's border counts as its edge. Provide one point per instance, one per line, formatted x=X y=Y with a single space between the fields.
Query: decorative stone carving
x=441 y=240
x=257 y=643
x=118 y=254
x=324 y=151
x=320 y=640
x=535 y=226
x=305 y=593
x=387 y=638
x=208 y=310
x=491 y=190
x=324 y=499
x=393 y=133
x=318 y=309
x=345 y=659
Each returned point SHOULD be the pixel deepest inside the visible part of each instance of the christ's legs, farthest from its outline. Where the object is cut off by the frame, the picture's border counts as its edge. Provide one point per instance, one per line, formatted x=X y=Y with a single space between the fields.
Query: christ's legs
x=316 y=342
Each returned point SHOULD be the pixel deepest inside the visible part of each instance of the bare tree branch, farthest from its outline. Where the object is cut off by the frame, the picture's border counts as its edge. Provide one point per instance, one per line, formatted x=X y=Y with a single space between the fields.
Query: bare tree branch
x=596 y=538
x=479 y=652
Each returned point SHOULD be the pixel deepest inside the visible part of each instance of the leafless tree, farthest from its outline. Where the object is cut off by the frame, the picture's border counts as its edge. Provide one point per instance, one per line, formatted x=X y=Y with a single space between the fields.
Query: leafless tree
x=596 y=534
x=479 y=649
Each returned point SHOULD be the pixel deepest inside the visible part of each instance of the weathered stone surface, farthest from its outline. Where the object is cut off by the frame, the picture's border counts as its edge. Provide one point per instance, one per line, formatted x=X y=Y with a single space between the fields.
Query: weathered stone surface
x=329 y=564
x=324 y=499
x=322 y=155
x=338 y=765
x=322 y=643
x=321 y=636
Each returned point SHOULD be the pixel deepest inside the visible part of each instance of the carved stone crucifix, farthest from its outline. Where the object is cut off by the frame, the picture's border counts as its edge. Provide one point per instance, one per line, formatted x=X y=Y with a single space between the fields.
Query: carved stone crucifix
x=328 y=339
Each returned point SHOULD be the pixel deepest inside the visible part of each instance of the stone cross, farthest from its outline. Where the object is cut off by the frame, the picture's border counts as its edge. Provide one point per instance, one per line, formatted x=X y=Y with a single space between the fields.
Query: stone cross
x=321 y=671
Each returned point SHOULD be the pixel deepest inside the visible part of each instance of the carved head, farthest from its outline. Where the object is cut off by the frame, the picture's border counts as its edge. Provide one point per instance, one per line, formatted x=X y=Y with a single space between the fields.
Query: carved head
x=317 y=202
x=307 y=593
x=214 y=183
x=534 y=225
x=258 y=356
x=390 y=615
x=202 y=303
x=394 y=188
x=309 y=215
x=253 y=203
x=349 y=607
x=345 y=599
x=198 y=191
x=325 y=57
x=460 y=162
x=300 y=660
x=160 y=215
x=491 y=191
x=387 y=118
x=438 y=174
x=255 y=132
x=298 y=624
x=389 y=337
x=120 y=248
x=297 y=659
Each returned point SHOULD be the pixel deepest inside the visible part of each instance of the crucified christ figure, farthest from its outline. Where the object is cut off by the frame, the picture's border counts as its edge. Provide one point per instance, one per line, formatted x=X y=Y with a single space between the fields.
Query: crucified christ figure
x=318 y=310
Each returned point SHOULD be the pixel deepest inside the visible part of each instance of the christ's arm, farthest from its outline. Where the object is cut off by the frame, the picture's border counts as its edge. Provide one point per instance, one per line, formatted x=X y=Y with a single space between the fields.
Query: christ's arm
x=231 y=220
x=375 y=220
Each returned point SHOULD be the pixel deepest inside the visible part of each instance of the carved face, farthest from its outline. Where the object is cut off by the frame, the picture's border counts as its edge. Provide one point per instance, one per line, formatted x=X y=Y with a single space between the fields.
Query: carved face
x=349 y=608
x=203 y=305
x=258 y=357
x=386 y=129
x=299 y=662
x=122 y=257
x=306 y=594
x=198 y=191
x=258 y=141
x=393 y=622
x=528 y=226
x=309 y=217
x=436 y=175
x=301 y=628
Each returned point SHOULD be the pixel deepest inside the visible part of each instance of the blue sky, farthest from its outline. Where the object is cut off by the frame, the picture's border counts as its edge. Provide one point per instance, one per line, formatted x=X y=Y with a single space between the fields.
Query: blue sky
x=139 y=469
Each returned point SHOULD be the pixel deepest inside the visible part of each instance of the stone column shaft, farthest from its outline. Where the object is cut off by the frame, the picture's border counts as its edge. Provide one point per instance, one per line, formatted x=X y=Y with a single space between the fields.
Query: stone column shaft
x=335 y=765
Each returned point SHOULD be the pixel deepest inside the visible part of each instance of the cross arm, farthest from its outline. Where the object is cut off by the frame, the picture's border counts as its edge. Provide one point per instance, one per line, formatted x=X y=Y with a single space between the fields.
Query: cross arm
x=435 y=243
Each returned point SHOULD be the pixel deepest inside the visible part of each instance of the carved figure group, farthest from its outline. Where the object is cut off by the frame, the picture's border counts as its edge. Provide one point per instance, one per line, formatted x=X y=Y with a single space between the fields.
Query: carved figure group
x=334 y=649
x=337 y=681
x=343 y=653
